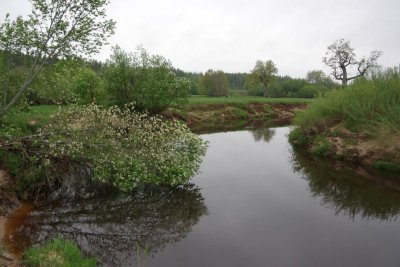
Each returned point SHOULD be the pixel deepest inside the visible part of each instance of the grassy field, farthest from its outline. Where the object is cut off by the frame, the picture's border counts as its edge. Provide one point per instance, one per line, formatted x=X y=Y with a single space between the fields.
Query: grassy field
x=194 y=100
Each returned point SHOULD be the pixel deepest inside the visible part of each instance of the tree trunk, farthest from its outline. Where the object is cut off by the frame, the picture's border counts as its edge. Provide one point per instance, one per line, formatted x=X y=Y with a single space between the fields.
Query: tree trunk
x=344 y=78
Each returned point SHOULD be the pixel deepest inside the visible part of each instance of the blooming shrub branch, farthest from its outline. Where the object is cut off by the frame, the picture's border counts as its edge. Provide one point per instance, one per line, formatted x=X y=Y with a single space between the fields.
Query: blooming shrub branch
x=123 y=148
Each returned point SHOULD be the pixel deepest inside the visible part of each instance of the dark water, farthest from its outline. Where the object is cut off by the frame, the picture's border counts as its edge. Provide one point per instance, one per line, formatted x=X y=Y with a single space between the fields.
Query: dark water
x=255 y=203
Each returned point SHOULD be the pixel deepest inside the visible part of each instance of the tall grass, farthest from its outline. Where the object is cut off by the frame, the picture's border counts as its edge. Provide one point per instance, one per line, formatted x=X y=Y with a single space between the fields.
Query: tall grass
x=366 y=105
x=57 y=253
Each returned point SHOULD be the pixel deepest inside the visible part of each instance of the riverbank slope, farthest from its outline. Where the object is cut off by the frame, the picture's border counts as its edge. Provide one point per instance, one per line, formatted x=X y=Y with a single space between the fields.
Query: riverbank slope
x=360 y=123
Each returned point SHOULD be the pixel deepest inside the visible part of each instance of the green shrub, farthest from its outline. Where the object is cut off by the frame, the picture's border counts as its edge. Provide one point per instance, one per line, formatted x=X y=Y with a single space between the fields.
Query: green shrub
x=123 y=148
x=365 y=105
x=57 y=253
x=297 y=137
x=321 y=148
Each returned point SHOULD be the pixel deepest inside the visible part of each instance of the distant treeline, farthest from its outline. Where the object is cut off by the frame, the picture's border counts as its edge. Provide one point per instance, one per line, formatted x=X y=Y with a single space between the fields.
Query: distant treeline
x=218 y=83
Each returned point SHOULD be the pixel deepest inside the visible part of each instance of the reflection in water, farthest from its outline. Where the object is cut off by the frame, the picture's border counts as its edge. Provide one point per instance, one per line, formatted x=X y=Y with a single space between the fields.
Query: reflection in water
x=264 y=134
x=120 y=229
x=349 y=189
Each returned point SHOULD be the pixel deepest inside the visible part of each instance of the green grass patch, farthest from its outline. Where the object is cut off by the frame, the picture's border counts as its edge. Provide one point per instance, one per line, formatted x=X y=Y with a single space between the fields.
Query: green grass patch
x=24 y=122
x=240 y=113
x=387 y=166
x=195 y=100
x=57 y=253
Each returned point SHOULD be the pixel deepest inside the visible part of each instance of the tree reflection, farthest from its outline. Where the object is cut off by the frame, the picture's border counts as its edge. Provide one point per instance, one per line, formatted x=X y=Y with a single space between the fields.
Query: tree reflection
x=119 y=229
x=350 y=189
x=263 y=134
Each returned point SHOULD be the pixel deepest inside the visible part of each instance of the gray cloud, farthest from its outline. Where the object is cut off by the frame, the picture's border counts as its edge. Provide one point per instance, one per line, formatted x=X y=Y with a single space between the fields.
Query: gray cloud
x=232 y=34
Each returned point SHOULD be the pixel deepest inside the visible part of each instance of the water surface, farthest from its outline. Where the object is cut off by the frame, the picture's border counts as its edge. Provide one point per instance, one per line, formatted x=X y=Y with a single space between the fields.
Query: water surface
x=256 y=202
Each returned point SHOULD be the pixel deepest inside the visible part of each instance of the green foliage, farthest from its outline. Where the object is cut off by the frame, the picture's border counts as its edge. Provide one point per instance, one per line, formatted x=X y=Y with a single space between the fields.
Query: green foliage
x=240 y=113
x=388 y=166
x=297 y=137
x=155 y=85
x=54 y=29
x=57 y=253
x=321 y=147
x=237 y=80
x=123 y=148
x=365 y=105
x=147 y=80
x=286 y=87
x=119 y=76
x=311 y=91
x=18 y=122
x=55 y=84
x=215 y=83
x=253 y=86
x=198 y=100
x=88 y=86
x=263 y=73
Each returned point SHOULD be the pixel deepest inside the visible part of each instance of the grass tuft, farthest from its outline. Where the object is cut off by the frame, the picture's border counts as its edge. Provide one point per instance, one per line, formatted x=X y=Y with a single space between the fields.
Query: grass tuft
x=57 y=253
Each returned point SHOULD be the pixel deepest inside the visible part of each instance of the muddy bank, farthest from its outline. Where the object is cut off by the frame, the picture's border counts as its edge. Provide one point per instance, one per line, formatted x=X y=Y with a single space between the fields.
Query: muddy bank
x=8 y=203
x=380 y=150
x=230 y=116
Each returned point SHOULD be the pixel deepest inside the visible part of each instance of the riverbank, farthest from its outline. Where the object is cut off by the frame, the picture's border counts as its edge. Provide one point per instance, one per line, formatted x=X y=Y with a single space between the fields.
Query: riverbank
x=360 y=123
x=214 y=117
x=9 y=202
x=200 y=117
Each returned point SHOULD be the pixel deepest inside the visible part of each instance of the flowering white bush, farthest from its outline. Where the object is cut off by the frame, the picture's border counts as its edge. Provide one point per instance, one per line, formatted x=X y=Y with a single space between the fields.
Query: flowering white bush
x=122 y=147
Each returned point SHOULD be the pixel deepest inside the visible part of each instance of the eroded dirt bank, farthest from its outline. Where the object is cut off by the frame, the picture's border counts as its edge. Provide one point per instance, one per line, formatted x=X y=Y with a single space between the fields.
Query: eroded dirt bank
x=230 y=116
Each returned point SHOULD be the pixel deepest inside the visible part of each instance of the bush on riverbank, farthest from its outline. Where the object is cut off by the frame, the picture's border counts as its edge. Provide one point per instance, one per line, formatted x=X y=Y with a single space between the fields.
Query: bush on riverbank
x=57 y=253
x=115 y=146
x=360 y=122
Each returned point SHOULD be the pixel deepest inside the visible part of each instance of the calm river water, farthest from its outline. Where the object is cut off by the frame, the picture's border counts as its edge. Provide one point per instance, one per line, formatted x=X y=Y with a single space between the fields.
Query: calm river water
x=256 y=202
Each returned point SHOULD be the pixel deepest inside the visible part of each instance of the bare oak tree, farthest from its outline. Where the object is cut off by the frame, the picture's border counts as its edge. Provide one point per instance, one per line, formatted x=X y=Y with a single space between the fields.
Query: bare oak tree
x=54 y=29
x=342 y=59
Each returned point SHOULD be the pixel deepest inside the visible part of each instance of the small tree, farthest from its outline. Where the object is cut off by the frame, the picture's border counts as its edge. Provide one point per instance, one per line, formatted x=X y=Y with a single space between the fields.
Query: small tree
x=215 y=83
x=54 y=29
x=342 y=59
x=155 y=83
x=263 y=73
x=119 y=75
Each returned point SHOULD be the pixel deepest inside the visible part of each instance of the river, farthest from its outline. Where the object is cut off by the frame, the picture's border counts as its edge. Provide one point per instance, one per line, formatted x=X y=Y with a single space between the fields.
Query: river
x=256 y=202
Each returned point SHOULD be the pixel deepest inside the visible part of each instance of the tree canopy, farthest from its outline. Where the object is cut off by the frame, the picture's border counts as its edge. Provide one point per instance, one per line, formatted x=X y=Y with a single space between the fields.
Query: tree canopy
x=341 y=58
x=263 y=73
x=55 y=29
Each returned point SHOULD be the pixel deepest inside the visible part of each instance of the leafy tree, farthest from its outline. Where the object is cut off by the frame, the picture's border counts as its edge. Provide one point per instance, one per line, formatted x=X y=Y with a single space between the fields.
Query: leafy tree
x=155 y=84
x=215 y=83
x=88 y=86
x=147 y=80
x=342 y=59
x=55 y=83
x=54 y=29
x=118 y=75
x=316 y=77
x=263 y=72
x=237 y=80
x=254 y=87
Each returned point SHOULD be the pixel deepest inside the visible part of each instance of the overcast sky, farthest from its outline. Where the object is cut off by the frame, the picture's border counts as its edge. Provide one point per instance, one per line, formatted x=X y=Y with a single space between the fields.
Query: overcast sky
x=197 y=35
